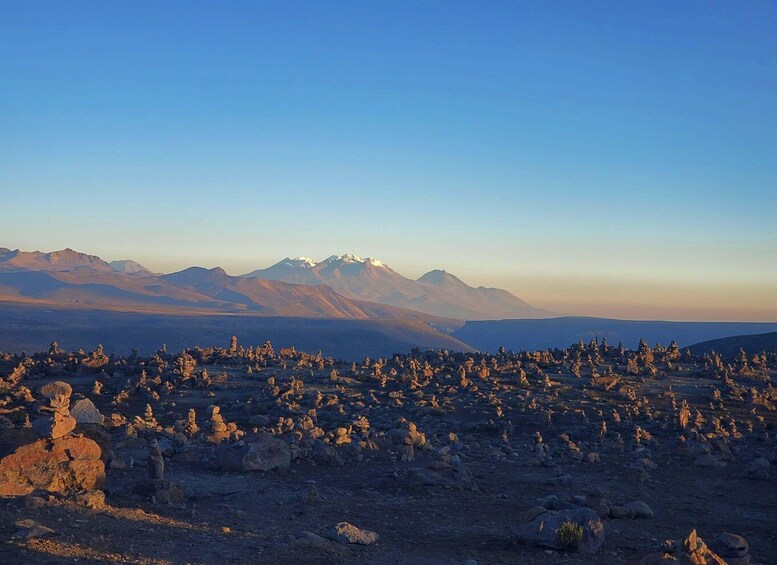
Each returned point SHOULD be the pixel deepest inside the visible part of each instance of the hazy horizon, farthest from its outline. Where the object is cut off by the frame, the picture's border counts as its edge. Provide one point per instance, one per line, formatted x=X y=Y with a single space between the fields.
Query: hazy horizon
x=605 y=160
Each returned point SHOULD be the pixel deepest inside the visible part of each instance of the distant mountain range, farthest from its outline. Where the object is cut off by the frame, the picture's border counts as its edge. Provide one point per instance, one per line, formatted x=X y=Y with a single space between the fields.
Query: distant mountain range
x=352 y=306
x=438 y=292
x=56 y=261
x=79 y=280
x=344 y=286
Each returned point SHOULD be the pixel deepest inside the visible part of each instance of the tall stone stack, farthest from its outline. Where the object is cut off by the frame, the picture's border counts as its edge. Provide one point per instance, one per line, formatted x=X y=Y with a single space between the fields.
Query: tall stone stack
x=217 y=424
x=217 y=427
x=55 y=420
x=218 y=430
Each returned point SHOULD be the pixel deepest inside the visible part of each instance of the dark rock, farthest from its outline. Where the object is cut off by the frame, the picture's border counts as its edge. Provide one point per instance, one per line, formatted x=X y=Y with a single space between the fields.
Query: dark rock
x=541 y=530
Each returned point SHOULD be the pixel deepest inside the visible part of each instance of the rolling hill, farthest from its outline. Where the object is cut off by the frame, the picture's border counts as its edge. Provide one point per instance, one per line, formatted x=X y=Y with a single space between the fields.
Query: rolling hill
x=564 y=331
x=729 y=346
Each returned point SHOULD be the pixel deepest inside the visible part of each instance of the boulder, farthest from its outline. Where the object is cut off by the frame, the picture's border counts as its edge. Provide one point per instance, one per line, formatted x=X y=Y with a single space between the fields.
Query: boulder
x=617 y=512
x=98 y=434
x=64 y=465
x=264 y=453
x=734 y=549
x=85 y=412
x=324 y=454
x=541 y=530
x=639 y=509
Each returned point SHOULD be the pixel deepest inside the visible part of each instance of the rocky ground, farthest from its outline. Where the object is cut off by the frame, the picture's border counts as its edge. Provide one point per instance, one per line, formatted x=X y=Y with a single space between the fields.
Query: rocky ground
x=593 y=454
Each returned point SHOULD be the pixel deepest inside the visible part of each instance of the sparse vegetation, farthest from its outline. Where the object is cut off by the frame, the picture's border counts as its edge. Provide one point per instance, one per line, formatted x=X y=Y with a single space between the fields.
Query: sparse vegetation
x=570 y=535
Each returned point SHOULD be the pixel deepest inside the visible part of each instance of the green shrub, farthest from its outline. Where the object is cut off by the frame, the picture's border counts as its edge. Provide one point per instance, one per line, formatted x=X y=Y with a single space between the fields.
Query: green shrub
x=570 y=535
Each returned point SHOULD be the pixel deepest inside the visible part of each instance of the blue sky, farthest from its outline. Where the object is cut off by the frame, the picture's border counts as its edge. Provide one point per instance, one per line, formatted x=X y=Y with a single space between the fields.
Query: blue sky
x=596 y=158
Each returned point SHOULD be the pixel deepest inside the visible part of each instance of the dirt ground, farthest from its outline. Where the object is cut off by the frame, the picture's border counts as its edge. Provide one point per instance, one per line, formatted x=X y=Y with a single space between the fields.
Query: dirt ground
x=254 y=517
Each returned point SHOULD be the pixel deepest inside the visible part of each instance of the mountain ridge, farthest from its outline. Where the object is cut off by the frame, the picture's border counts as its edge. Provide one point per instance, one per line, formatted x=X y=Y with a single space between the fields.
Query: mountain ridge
x=437 y=292
x=64 y=259
x=77 y=280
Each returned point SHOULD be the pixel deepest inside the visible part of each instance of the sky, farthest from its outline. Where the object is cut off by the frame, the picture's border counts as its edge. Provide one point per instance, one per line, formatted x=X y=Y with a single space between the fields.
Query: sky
x=597 y=158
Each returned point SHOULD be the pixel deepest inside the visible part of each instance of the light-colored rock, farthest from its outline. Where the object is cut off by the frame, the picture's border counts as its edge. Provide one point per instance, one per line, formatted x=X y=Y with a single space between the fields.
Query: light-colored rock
x=348 y=533
x=85 y=412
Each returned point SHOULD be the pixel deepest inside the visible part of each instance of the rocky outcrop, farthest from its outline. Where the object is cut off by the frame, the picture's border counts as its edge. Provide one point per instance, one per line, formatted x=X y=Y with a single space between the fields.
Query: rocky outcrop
x=61 y=465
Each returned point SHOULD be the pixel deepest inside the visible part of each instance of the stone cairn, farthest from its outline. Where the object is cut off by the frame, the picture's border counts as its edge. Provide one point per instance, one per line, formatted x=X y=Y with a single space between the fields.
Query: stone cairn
x=218 y=428
x=156 y=463
x=54 y=408
x=191 y=428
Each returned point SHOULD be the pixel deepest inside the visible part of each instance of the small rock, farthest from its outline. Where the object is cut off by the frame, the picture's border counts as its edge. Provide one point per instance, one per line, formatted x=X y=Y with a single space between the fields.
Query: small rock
x=32 y=502
x=348 y=533
x=94 y=499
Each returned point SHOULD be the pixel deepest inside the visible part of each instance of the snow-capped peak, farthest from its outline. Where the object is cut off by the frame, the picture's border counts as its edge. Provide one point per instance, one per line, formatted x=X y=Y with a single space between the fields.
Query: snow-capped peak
x=350 y=258
x=303 y=261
